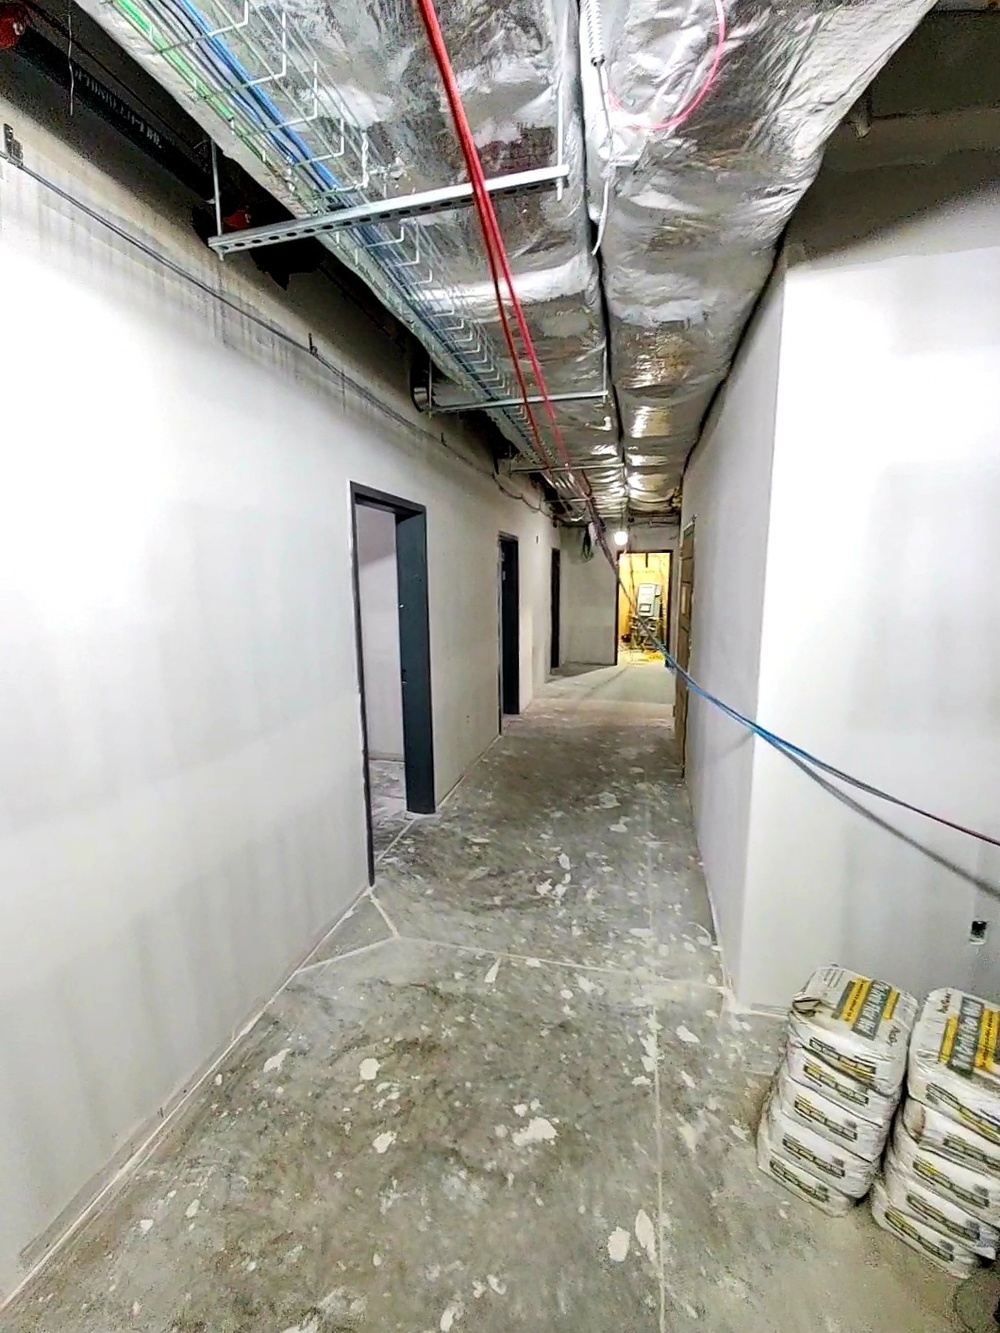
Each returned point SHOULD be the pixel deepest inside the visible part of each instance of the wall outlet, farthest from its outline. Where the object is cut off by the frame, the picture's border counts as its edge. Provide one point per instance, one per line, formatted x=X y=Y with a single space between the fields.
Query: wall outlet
x=978 y=930
x=12 y=146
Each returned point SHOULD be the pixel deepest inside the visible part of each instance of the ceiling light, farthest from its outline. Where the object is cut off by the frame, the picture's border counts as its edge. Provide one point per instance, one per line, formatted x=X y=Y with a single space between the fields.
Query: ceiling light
x=621 y=537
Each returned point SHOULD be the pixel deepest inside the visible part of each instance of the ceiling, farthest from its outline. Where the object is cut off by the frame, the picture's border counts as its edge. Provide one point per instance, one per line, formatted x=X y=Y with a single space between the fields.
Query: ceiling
x=679 y=134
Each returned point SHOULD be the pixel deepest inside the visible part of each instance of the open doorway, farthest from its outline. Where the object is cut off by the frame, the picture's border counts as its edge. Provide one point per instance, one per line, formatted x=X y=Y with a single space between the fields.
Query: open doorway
x=555 y=591
x=643 y=605
x=684 y=616
x=510 y=629
x=393 y=644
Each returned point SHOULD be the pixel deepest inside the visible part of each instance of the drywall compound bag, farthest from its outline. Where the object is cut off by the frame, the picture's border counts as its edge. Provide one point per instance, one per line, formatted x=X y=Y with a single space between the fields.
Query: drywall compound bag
x=949 y=1138
x=814 y=1111
x=775 y=1164
x=953 y=1060
x=857 y=1025
x=809 y=1150
x=854 y=1097
x=940 y=1249
x=909 y=1193
x=972 y=1191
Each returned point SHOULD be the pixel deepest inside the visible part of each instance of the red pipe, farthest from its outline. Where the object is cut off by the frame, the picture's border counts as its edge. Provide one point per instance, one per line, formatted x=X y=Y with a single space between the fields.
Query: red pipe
x=495 y=250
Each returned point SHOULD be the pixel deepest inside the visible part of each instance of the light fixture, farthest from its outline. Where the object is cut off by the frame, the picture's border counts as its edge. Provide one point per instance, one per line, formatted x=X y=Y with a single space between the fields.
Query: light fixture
x=621 y=537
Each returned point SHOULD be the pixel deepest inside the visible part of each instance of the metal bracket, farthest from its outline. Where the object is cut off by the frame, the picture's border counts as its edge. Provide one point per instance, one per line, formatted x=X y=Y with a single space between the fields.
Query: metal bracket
x=12 y=149
x=562 y=469
x=489 y=404
x=386 y=210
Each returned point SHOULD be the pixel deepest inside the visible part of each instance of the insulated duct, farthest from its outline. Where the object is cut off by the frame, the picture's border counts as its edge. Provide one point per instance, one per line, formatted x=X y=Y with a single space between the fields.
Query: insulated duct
x=331 y=107
x=706 y=123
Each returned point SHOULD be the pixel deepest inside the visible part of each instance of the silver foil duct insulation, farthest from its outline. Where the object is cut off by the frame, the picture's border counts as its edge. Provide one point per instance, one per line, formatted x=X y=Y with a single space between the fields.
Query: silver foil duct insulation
x=705 y=125
x=333 y=105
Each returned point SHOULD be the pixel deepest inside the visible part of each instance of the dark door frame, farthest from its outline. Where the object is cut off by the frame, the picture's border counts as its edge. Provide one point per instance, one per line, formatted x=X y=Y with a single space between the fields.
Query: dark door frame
x=618 y=603
x=674 y=553
x=555 y=593
x=510 y=625
x=414 y=651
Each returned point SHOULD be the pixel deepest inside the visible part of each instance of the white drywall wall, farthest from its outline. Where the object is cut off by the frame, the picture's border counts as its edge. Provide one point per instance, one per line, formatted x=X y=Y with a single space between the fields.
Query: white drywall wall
x=881 y=645
x=181 y=807
x=378 y=588
x=589 y=608
x=653 y=536
x=727 y=496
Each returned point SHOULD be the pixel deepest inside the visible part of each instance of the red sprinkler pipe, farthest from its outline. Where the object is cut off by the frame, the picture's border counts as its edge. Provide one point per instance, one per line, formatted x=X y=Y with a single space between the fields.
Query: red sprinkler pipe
x=495 y=248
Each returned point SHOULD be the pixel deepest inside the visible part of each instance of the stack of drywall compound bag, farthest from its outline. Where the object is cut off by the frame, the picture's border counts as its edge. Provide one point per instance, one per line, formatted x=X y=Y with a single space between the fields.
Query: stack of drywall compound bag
x=829 y=1110
x=940 y=1188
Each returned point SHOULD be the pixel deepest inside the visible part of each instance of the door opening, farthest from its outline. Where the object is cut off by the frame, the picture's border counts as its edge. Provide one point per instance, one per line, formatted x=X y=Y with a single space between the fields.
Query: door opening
x=643 y=607
x=510 y=622
x=685 y=600
x=556 y=594
x=392 y=628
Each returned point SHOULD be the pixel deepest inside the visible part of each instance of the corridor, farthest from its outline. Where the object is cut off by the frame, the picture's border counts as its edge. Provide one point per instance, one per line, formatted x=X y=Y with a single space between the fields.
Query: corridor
x=507 y=1092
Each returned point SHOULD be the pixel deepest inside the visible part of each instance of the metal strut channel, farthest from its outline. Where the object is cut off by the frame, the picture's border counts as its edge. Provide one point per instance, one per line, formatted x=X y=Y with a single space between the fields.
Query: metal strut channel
x=386 y=210
x=439 y=409
x=565 y=469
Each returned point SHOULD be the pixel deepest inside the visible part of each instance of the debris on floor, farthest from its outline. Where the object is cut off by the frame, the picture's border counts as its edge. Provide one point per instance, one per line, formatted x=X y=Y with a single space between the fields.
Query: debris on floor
x=497 y=1110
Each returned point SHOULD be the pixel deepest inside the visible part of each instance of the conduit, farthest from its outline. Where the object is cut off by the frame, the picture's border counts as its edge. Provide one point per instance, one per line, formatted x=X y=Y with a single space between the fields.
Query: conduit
x=705 y=121
x=297 y=92
x=497 y=255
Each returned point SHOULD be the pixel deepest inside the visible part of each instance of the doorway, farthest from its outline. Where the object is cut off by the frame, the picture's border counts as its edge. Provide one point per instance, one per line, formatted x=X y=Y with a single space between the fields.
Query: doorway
x=392 y=627
x=685 y=601
x=643 y=607
x=510 y=629
x=556 y=596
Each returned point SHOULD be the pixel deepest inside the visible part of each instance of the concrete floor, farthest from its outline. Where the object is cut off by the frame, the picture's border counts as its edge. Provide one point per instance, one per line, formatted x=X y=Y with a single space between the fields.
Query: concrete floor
x=508 y=1092
x=387 y=780
x=629 y=682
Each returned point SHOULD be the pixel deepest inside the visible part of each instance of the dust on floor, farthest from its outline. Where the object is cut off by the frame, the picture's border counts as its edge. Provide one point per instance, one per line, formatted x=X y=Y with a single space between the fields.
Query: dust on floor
x=509 y=1091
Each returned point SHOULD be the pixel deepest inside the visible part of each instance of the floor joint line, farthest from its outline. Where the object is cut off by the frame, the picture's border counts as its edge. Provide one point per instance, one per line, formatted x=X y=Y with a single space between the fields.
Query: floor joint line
x=657 y=1108
x=340 y=957
x=408 y=823
x=485 y=951
x=383 y=914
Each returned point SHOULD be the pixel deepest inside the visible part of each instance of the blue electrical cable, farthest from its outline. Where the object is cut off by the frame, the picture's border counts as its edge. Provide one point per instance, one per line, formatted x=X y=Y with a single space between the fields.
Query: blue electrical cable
x=797 y=753
x=264 y=113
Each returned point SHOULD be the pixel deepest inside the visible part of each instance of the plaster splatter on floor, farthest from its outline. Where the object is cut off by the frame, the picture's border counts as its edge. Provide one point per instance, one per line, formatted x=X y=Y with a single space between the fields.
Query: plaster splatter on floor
x=276 y=1061
x=618 y=1244
x=537 y=1130
x=473 y=1119
x=645 y=1234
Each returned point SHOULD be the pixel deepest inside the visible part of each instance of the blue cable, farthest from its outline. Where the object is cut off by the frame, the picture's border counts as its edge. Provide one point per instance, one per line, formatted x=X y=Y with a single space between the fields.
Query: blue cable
x=262 y=111
x=797 y=753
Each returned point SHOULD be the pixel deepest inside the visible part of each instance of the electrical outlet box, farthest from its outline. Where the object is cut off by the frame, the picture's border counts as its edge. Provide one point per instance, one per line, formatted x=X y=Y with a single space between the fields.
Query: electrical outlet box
x=12 y=146
x=978 y=931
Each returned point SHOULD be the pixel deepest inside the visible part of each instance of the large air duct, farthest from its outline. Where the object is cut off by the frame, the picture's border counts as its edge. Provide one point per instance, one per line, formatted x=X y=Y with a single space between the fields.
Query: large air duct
x=337 y=106
x=706 y=122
